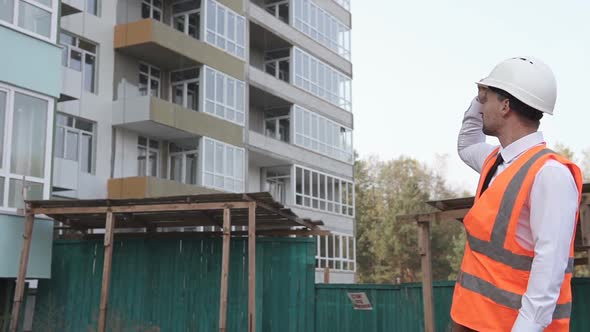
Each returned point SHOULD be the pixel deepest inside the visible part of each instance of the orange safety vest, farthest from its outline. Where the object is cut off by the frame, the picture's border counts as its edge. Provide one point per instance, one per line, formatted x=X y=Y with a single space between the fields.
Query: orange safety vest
x=495 y=269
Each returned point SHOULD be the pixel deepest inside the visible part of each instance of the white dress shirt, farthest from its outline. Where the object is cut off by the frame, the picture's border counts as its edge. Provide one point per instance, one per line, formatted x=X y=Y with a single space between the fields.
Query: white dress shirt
x=546 y=223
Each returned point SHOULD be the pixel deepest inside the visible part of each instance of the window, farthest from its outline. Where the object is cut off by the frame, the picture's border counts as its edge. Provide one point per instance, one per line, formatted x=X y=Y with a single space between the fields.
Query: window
x=276 y=184
x=186 y=17
x=74 y=140
x=25 y=128
x=34 y=17
x=185 y=88
x=183 y=163
x=148 y=157
x=322 y=27
x=80 y=55
x=149 y=80
x=223 y=166
x=336 y=252
x=151 y=9
x=278 y=9
x=319 y=191
x=321 y=80
x=224 y=96
x=277 y=127
x=276 y=63
x=322 y=135
x=92 y=7
x=225 y=29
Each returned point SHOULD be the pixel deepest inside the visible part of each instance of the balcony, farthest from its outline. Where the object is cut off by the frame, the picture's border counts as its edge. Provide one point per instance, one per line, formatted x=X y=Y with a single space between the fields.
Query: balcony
x=147 y=187
x=162 y=119
x=168 y=48
x=71 y=84
x=270 y=19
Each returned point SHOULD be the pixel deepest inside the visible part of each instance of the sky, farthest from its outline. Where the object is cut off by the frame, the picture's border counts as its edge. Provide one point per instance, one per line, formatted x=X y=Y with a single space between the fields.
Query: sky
x=415 y=63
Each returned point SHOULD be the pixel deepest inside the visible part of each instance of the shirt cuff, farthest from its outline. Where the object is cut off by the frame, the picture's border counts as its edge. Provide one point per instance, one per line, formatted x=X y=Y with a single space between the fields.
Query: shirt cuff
x=522 y=324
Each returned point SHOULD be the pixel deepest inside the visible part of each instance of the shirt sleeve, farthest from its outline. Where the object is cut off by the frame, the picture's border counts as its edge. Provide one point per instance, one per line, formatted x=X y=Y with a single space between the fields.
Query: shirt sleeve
x=471 y=143
x=554 y=205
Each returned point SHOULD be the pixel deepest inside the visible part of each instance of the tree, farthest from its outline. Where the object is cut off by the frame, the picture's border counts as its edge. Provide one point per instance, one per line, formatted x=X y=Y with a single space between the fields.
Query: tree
x=387 y=249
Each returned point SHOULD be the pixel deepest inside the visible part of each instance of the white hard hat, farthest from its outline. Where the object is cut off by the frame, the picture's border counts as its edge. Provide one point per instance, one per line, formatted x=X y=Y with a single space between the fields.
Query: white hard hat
x=527 y=79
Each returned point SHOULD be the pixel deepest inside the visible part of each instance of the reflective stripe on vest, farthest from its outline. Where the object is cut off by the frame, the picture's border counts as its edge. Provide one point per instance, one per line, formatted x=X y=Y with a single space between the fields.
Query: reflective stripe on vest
x=504 y=297
x=495 y=250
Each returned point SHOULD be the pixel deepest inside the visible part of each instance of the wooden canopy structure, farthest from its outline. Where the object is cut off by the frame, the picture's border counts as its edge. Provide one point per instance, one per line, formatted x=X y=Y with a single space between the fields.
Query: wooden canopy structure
x=456 y=209
x=257 y=213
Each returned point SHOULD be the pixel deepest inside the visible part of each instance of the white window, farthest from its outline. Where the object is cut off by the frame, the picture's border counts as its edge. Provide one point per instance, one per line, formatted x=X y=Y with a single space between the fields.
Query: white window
x=224 y=96
x=151 y=9
x=186 y=17
x=276 y=184
x=35 y=17
x=25 y=128
x=320 y=191
x=223 y=166
x=80 y=55
x=184 y=85
x=277 y=127
x=320 y=134
x=148 y=157
x=225 y=29
x=321 y=80
x=149 y=80
x=92 y=7
x=336 y=252
x=322 y=27
x=74 y=140
x=183 y=163
x=278 y=9
x=276 y=63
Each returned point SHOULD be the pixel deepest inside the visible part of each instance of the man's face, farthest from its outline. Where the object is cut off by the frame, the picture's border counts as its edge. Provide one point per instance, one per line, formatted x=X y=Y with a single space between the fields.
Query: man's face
x=493 y=117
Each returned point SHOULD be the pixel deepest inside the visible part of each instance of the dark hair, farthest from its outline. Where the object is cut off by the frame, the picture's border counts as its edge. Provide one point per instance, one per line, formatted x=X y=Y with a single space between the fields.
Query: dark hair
x=518 y=106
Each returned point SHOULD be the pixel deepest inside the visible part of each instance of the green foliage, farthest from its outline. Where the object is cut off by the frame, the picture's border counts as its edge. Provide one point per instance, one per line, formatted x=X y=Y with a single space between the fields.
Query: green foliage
x=387 y=249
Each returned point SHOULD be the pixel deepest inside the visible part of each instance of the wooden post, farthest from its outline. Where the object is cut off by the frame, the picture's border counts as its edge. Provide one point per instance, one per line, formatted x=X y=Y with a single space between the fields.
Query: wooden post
x=224 y=269
x=426 y=255
x=252 y=267
x=326 y=274
x=106 y=270
x=22 y=271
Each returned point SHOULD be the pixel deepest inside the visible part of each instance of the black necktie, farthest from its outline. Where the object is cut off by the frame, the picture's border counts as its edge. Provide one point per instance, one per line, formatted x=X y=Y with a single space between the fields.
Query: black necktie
x=486 y=182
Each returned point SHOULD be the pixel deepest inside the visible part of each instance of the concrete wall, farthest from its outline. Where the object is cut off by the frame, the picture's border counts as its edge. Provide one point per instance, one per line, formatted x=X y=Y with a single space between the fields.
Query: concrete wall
x=333 y=222
x=257 y=57
x=336 y=277
x=22 y=60
x=253 y=184
x=256 y=119
x=128 y=11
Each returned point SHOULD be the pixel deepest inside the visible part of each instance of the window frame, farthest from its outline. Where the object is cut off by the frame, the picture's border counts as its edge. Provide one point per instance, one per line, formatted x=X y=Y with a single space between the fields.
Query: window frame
x=69 y=48
x=53 y=26
x=224 y=105
x=344 y=256
x=149 y=149
x=186 y=14
x=331 y=205
x=183 y=155
x=150 y=78
x=80 y=133
x=5 y=171
x=237 y=152
x=224 y=36
x=336 y=150
x=152 y=8
x=185 y=83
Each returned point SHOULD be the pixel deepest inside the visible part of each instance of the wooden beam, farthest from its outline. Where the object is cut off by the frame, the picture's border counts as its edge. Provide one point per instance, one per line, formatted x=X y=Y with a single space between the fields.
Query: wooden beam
x=106 y=270
x=70 y=210
x=425 y=253
x=22 y=271
x=181 y=207
x=326 y=275
x=283 y=214
x=224 y=269
x=252 y=267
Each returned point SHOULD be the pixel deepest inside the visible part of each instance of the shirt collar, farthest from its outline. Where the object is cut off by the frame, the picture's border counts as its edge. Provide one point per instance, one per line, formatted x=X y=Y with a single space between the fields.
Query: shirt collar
x=516 y=148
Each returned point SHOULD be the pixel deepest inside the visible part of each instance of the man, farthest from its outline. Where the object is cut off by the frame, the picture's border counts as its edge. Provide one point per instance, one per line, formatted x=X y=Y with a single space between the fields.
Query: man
x=518 y=261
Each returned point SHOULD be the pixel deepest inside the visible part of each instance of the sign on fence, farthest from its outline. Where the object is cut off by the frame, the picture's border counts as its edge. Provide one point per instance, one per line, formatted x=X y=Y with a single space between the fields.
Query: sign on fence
x=360 y=301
